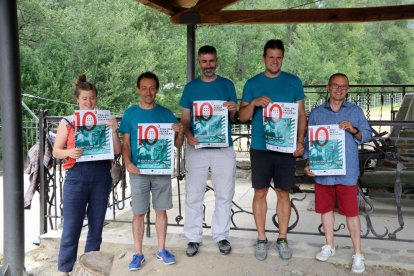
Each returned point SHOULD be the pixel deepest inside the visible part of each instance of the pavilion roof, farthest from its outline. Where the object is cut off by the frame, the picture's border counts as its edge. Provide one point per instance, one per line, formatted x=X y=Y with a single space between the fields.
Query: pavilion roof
x=216 y=12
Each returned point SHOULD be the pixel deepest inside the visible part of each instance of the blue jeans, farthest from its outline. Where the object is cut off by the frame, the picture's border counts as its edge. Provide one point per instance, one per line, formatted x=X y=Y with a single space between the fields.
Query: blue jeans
x=86 y=191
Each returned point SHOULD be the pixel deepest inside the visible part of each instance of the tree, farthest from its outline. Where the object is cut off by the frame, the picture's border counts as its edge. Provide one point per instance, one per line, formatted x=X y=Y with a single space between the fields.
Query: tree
x=113 y=41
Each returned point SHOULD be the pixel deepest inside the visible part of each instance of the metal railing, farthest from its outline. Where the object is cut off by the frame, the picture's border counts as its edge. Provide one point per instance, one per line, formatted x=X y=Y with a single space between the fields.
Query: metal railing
x=385 y=97
x=120 y=196
x=380 y=102
x=51 y=187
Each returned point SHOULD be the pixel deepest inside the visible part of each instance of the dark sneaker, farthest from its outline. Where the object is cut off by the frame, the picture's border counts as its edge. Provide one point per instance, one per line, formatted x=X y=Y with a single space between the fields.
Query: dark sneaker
x=284 y=251
x=137 y=261
x=261 y=249
x=165 y=256
x=192 y=248
x=224 y=247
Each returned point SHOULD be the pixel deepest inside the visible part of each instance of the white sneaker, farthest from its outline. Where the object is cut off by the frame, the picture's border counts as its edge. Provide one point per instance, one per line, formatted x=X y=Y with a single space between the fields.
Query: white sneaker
x=358 y=265
x=326 y=252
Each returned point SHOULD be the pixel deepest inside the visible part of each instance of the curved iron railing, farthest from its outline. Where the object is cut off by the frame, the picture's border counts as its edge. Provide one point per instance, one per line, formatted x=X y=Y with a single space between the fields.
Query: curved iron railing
x=52 y=185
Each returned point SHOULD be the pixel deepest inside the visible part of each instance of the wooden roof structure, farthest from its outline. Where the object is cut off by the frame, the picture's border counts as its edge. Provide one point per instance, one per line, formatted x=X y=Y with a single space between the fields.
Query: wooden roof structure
x=194 y=12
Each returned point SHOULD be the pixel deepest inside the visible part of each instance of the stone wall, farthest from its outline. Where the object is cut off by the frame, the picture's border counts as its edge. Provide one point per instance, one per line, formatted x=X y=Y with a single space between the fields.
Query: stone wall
x=405 y=147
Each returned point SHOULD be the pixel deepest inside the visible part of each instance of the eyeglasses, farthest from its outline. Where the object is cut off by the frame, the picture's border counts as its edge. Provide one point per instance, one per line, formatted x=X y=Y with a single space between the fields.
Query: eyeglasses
x=341 y=87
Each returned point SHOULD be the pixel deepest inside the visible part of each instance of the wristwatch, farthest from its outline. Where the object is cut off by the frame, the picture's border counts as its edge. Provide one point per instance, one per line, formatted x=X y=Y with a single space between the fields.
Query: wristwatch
x=357 y=131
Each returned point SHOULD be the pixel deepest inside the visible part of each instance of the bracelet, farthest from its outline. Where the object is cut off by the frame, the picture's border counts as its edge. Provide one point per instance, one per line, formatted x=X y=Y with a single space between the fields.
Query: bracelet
x=357 y=131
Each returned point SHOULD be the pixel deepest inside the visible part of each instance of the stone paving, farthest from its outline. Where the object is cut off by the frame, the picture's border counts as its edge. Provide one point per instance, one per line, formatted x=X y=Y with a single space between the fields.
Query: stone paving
x=383 y=257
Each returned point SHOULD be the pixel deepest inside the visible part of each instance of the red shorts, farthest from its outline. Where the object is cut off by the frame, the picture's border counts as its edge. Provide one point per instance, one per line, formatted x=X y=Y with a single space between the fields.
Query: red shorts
x=346 y=196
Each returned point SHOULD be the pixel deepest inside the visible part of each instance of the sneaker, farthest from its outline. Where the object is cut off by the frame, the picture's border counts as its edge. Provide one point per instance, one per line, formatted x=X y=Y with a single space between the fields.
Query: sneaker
x=136 y=262
x=326 y=252
x=192 y=248
x=261 y=249
x=284 y=251
x=224 y=247
x=358 y=265
x=165 y=256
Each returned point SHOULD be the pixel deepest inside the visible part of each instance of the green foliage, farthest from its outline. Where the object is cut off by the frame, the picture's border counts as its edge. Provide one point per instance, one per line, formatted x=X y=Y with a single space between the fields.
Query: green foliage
x=113 y=41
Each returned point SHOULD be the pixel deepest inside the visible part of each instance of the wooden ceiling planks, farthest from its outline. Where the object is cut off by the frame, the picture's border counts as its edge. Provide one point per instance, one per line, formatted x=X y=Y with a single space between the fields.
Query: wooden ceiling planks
x=341 y=15
x=210 y=12
x=213 y=5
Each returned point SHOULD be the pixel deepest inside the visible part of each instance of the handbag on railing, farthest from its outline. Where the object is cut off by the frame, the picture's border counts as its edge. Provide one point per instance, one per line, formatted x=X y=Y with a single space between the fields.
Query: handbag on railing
x=117 y=171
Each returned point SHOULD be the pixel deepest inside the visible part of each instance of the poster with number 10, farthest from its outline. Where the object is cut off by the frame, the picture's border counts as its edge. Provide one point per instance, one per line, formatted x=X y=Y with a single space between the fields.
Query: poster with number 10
x=280 y=123
x=155 y=148
x=327 y=150
x=93 y=135
x=210 y=124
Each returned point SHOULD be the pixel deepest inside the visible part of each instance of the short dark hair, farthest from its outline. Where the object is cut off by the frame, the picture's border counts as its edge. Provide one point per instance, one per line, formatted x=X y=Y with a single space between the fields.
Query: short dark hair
x=274 y=44
x=148 y=75
x=337 y=75
x=207 y=49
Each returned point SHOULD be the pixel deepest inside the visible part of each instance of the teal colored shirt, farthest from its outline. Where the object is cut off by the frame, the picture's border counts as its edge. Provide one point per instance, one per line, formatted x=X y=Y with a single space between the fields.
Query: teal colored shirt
x=135 y=115
x=221 y=89
x=286 y=88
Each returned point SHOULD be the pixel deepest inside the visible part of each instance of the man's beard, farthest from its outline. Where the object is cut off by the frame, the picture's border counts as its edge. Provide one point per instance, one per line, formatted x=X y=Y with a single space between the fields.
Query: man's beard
x=209 y=72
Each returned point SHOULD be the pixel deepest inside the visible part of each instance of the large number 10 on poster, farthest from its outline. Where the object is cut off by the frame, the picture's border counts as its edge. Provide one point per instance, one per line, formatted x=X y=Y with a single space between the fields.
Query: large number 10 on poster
x=327 y=150
x=210 y=123
x=93 y=135
x=155 y=148
x=280 y=126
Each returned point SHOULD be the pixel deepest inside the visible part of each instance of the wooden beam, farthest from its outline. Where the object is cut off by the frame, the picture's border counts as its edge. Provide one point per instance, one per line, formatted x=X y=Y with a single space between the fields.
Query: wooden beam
x=184 y=3
x=207 y=6
x=191 y=15
x=163 y=6
x=339 y=15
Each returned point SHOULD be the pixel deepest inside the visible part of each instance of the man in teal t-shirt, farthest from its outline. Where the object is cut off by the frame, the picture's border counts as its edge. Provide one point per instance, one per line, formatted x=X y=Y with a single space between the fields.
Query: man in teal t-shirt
x=220 y=161
x=142 y=186
x=273 y=85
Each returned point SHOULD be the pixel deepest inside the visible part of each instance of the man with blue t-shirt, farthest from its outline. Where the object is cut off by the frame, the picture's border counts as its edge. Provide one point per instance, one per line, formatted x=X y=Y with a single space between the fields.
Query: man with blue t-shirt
x=273 y=85
x=147 y=111
x=220 y=161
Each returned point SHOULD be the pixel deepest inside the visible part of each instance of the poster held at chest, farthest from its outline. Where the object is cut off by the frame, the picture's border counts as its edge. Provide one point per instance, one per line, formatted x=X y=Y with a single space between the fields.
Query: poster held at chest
x=93 y=135
x=327 y=150
x=155 y=149
x=210 y=124
x=280 y=123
